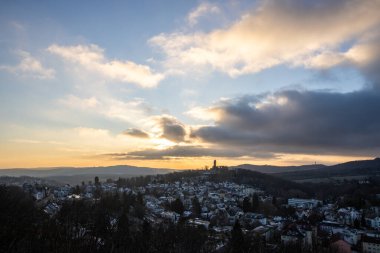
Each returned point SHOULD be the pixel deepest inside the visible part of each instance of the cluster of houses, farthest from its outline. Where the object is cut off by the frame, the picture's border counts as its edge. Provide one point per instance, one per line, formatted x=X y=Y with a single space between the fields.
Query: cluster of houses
x=219 y=201
x=220 y=207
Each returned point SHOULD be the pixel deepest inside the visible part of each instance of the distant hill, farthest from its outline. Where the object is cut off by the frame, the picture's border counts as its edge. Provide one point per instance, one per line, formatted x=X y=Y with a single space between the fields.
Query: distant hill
x=269 y=169
x=363 y=168
x=269 y=183
x=74 y=175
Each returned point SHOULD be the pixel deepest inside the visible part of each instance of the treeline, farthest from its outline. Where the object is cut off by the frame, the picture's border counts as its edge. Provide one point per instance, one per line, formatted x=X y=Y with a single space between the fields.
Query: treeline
x=355 y=193
x=352 y=193
x=115 y=223
x=270 y=184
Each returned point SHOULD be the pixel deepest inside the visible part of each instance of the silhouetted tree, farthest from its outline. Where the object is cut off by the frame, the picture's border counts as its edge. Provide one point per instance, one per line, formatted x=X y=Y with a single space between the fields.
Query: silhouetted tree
x=77 y=190
x=139 y=210
x=146 y=236
x=255 y=203
x=363 y=221
x=246 y=205
x=18 y=217
x=356 y=223
x=274 y=200
x=237 y=239
x=177 y=206
x=97 y=183
x=140 y=198
x=196 y=207
x=122 y=235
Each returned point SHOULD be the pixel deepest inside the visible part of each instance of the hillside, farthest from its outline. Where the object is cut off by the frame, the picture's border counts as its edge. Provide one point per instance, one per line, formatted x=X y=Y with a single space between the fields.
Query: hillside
x=268 y=169
x=270 y=183
x=73 y=175
x=364 y=168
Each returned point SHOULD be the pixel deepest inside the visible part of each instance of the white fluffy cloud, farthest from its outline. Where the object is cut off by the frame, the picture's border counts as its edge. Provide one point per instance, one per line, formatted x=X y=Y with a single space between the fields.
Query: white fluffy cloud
x=295 y=32
x=92 y=58
x=202 y=10
x=29 y=66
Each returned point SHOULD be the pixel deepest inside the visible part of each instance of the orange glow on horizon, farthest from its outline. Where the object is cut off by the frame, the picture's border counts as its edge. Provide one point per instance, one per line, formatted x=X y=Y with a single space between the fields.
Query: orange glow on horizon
x=47 y=160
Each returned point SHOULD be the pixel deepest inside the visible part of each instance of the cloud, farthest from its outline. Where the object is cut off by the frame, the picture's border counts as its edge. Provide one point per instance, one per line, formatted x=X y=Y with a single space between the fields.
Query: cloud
x=172 y=129
x=303 y=122
x=80 y=103
x=179 y=151
x=294 y=32
x=136 y=133
x=128 y=111
x=364 y=55
x=92 y=58
x=202 y=10
x=201 y=113
x=29 y=67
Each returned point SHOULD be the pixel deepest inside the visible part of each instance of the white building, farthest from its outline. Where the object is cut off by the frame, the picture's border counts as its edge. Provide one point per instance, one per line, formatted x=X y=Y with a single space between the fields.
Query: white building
x=172 y=216
x=199 y=222
x=348 y=215
x=39 y=195
x=304 y=203
x=374 y=222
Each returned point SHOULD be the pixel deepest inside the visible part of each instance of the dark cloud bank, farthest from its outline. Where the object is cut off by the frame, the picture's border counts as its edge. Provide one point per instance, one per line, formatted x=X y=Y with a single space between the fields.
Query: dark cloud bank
x=308 y=122
x=290 y=121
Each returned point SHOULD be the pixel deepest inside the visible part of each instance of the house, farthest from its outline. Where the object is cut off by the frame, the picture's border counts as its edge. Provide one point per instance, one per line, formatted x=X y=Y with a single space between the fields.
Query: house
x=292 y=235
x=304 y=203
x=38 y=195
x=348 y=215
x=266 y=232
x=351 y=236
x=373 y=222
x=199 y=223
x=52 y=208
x=74 y=197
x=251 y=218
x=171 y=216
x=329 y=226
x=371 y=244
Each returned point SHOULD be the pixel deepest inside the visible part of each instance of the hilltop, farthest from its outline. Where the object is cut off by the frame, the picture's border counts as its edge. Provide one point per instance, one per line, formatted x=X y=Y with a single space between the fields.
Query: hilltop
x=269 y=169
x=352 y=169
x=75 y=175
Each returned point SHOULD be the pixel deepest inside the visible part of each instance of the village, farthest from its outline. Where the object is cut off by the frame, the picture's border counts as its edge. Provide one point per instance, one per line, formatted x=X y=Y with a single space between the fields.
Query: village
x=218 y=207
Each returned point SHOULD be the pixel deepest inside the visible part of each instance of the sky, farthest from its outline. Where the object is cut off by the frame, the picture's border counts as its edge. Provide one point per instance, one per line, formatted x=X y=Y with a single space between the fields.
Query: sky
x=177 y=84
